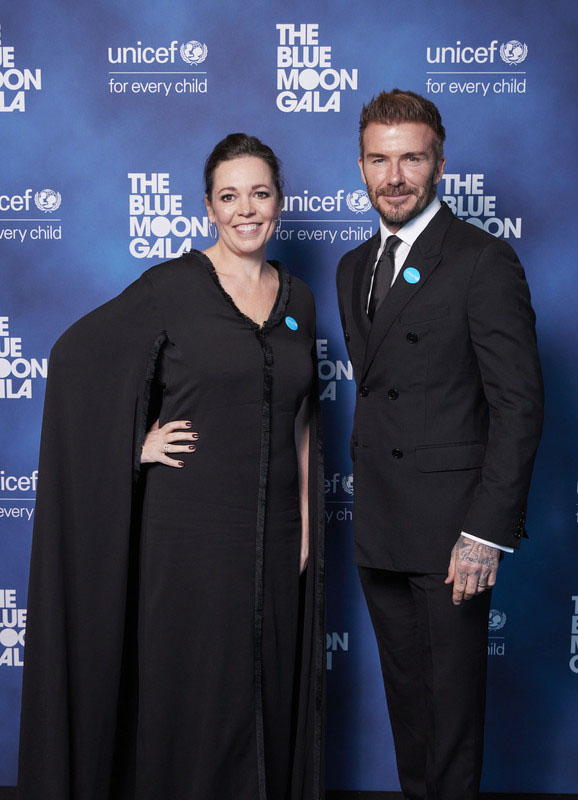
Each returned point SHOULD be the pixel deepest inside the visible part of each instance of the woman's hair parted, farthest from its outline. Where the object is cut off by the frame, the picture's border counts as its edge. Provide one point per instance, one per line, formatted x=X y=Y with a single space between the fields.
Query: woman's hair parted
x=237 y=145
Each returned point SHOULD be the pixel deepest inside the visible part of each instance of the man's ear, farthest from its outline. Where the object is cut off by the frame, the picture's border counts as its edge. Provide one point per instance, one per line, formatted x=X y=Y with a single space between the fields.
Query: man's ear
x=360 y=162
x=439 y=170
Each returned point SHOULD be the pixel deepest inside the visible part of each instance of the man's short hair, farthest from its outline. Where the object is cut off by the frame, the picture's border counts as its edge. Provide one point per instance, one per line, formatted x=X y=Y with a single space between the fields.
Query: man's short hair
x=391 y=108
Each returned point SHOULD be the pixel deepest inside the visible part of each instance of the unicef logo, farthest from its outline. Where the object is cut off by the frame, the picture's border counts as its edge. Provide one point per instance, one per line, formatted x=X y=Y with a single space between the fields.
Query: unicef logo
x=347 y=483
x=513 y=52
x=497 y=619
x=47 y=200
x=194 y=52
x=358 y=201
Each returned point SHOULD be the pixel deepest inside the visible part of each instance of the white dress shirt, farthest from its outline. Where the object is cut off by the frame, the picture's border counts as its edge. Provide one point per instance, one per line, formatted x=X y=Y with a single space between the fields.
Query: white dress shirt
x=408 y=234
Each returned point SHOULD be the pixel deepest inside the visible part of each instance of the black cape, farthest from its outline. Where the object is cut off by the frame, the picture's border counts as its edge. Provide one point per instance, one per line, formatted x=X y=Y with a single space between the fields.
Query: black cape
x=80 y=687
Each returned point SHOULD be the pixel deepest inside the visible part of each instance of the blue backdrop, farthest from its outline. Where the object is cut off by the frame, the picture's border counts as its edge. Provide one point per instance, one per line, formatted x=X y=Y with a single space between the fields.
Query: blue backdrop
x=107 y=112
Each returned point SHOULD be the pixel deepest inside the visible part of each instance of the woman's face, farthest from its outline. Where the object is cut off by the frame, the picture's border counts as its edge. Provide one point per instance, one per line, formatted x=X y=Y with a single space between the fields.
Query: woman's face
x=244 y=204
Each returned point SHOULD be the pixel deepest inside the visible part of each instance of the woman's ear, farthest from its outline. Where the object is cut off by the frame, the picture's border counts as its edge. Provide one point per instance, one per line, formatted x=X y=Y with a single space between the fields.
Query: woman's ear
x=210 y=212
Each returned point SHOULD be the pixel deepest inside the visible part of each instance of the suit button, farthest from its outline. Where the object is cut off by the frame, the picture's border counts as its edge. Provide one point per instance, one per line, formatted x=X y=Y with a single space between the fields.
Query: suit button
x=393 y=394
x=347 y=336
x=412 y=338
x=397 y=453
x=363 y=391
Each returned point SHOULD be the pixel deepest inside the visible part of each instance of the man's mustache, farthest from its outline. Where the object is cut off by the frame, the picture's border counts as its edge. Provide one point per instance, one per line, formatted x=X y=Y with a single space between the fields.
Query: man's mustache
x=395 y=191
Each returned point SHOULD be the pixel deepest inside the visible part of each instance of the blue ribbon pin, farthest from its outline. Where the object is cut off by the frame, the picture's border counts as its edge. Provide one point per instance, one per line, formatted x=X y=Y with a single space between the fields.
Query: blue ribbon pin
x=411 y=275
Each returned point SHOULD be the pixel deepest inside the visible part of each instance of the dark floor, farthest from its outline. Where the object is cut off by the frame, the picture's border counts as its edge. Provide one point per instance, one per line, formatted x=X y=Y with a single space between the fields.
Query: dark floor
x=483 y=796
x=9 y=793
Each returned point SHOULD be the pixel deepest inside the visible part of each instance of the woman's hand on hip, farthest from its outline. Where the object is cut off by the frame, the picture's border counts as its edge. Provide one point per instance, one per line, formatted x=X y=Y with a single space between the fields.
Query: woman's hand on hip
x=161 y=443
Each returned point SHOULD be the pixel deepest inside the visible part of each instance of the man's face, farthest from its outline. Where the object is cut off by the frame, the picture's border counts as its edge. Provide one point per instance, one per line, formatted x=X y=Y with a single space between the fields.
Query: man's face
x=400 y=170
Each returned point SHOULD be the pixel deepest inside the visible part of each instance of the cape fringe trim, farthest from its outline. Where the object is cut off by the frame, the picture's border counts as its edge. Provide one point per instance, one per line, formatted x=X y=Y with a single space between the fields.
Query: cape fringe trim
x=259 y=560
x=279 y=305
x=261 y=333
x=141 y=430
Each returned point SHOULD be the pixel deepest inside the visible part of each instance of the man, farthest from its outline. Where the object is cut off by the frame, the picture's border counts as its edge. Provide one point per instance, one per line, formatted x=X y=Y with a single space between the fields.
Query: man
x=438 y=323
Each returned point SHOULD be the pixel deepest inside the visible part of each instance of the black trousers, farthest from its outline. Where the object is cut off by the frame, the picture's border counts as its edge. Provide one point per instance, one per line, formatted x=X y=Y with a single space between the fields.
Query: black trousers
x=434 y=661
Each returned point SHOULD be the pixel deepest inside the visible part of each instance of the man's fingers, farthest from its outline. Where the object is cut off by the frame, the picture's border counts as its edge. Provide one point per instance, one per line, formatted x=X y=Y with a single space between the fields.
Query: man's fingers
x=451 y=567
x=471 y=587
x=486 y=580
x=465 y=585
x=476 y=567
x=492 y=577
x=460 y=579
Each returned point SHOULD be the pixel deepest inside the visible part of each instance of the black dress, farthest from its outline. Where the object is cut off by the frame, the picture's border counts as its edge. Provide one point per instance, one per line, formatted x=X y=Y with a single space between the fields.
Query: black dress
x=214 y=687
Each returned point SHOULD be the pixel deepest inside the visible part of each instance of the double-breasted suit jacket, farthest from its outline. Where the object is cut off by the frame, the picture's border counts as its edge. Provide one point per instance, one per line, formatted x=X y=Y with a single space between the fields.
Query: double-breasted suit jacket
x=449 y=397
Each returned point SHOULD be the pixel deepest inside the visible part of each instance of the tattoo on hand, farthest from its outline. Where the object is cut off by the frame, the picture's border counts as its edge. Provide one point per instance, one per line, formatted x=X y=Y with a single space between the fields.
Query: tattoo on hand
x=472 y=552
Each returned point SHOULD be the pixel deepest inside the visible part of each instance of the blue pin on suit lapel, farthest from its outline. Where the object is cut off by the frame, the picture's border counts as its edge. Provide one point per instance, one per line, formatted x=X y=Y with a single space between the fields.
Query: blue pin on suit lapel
x=411 y=274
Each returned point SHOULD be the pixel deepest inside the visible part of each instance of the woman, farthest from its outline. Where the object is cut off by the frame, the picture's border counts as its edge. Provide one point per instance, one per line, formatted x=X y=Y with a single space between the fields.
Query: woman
x=173 y=651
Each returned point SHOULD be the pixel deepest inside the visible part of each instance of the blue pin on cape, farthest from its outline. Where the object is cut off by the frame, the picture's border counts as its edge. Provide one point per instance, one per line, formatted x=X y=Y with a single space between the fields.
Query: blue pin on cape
x=411 y=275
x=291 y=323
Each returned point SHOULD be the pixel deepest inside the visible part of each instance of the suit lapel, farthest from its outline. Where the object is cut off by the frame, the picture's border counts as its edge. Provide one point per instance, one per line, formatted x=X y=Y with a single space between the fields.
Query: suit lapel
x=361 y=283
x=424 y=257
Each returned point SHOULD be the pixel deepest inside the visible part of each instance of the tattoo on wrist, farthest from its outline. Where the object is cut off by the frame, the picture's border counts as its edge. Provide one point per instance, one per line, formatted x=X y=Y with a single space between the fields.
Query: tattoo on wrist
x=472 y=552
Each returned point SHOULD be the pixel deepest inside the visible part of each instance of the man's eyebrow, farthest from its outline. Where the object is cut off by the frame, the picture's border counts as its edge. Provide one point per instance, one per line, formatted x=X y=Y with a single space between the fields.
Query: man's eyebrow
x=403 y=155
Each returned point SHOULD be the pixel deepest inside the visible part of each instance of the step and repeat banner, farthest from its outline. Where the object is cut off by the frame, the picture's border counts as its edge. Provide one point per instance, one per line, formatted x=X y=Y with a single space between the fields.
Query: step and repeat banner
x=107 y=113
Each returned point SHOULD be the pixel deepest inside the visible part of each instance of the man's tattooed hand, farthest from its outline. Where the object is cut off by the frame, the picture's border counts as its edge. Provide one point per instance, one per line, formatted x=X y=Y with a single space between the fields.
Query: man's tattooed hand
x=473 y=568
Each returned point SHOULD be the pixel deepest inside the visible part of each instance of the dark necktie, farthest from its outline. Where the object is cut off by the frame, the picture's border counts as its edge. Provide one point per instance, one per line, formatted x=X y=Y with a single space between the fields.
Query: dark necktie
x=383 y=275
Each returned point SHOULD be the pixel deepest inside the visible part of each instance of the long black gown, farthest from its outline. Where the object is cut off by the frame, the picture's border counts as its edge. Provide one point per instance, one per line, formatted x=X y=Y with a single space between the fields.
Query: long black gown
x=209 y=682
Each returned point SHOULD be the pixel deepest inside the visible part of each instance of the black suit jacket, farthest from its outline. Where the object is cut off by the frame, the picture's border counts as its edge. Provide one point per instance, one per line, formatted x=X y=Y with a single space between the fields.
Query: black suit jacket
x=449 y=402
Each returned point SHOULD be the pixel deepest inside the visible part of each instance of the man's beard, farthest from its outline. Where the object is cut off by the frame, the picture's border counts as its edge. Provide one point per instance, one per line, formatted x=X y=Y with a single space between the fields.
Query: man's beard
x=399 y=216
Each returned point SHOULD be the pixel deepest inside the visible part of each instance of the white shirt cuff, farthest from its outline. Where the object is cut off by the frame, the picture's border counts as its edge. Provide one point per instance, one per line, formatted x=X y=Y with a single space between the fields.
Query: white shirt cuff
x=485 y=541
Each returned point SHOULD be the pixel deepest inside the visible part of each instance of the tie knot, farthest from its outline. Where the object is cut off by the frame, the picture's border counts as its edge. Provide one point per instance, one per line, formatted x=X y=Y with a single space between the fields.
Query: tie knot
x=390 y=244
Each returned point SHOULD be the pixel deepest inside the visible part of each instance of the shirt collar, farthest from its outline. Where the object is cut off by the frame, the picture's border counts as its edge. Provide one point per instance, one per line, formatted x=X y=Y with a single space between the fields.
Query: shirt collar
x=412 y=229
